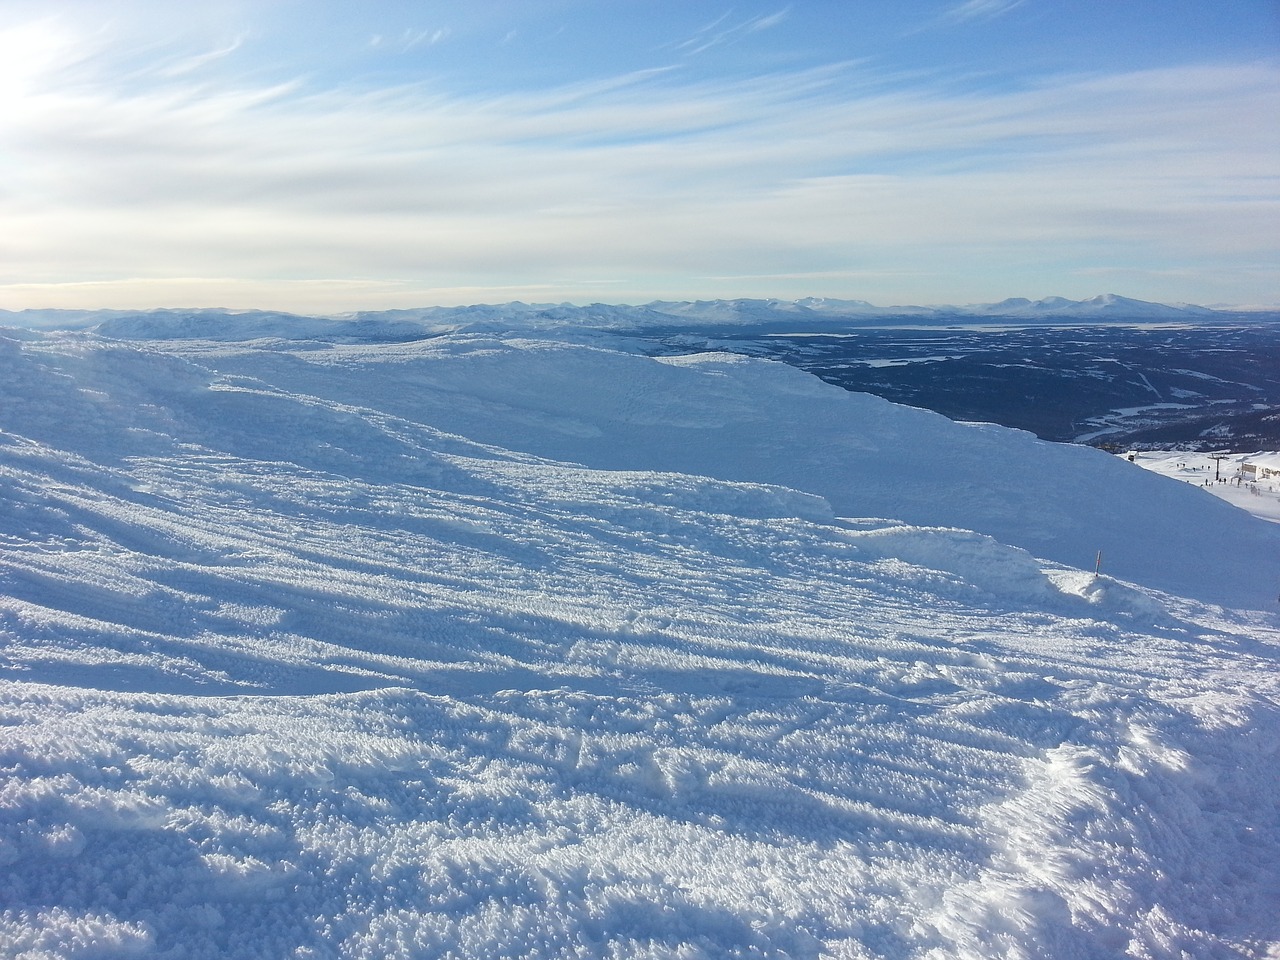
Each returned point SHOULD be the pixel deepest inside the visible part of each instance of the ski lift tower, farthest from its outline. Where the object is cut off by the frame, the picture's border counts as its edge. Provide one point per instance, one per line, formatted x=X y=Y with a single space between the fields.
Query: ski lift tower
x=1217 y=459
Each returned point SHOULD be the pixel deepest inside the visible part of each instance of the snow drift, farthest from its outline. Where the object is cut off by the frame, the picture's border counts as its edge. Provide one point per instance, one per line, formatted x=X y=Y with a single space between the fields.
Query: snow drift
x=489 y=646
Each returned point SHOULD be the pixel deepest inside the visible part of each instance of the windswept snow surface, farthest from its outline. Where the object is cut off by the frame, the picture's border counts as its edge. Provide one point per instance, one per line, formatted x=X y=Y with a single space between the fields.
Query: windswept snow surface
x=486 y=647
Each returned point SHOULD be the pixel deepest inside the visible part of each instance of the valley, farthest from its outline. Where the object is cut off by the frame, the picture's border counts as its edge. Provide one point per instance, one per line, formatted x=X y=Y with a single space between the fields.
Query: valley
x=1194 y=386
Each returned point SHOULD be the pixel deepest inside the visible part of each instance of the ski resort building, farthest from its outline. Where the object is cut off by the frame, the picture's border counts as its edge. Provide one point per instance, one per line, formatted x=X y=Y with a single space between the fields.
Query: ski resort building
x=1262 y=466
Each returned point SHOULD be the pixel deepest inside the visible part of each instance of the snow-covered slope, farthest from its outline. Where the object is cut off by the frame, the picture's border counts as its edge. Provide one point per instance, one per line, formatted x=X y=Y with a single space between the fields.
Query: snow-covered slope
x=515 y=648
x=740 y=419
x=1222 y=476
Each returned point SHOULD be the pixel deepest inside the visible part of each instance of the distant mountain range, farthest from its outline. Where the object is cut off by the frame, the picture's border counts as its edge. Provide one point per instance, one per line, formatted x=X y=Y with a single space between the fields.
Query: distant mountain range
x=410 y=324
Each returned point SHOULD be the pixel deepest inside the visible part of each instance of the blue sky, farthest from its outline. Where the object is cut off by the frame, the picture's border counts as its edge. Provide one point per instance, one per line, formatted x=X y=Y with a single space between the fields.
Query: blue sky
x=329 y=156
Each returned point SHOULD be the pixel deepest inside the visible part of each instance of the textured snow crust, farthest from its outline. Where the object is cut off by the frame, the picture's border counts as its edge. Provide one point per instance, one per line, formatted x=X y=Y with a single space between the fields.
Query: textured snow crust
x=490 y=647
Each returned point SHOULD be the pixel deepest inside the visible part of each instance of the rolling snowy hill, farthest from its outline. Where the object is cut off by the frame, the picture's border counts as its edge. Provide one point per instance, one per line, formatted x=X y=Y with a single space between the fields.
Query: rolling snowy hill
x=498 y=646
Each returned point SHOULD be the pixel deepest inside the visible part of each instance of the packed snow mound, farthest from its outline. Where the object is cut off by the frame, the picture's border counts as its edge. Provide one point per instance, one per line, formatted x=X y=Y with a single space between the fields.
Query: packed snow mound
x=515 y=648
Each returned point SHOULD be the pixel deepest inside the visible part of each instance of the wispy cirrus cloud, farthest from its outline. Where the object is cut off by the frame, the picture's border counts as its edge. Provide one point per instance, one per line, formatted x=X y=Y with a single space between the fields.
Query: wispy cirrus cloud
x=649 y=182
x=409 y=39
x=723 y=30
x=190 y=64
x=980 y=10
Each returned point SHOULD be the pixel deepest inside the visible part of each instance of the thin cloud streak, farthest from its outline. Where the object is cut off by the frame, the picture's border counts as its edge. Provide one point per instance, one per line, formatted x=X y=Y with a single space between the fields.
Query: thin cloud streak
x=188 y=65
x=715 y=35
x=416 y=38
x=981 y=9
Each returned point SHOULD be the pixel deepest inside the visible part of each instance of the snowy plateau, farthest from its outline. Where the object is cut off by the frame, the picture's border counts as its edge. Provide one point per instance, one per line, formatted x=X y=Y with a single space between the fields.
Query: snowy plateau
x=517 y=642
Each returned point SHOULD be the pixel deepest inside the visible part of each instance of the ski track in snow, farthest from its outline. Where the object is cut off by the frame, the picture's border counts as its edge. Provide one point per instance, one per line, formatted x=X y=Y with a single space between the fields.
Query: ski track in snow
x=403 y=652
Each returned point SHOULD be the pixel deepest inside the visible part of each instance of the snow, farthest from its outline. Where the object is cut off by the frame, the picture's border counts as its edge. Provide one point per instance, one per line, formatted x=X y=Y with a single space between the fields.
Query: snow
x=1223 y=478
x=499 y=646
x=1104 y=305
